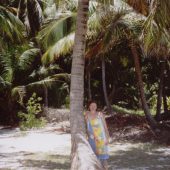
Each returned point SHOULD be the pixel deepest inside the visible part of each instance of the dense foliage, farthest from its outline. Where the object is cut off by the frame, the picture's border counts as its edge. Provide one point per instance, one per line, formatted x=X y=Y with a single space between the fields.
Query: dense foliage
x=36 y=49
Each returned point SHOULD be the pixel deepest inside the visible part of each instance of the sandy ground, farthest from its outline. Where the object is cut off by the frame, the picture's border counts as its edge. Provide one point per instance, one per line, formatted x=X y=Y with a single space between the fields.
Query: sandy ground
x=49 y=148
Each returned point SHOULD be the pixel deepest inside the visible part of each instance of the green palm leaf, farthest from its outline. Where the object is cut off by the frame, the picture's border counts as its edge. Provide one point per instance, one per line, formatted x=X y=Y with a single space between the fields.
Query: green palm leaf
x=7 y=68
x=4 y=84
x=27 y=58
x=45 y=71
x=56 y=30
x=62 y=47
x=19 y=92
x=48 y=81
x=141 y=6
x=11 y=26
x=156 y=28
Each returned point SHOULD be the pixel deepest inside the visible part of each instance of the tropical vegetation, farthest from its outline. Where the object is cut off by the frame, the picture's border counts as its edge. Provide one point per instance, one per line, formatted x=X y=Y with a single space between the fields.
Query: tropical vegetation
x=116 y=52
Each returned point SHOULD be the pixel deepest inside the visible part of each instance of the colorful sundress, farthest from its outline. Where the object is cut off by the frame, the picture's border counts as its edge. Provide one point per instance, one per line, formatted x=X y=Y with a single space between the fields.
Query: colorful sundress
x=97 y=136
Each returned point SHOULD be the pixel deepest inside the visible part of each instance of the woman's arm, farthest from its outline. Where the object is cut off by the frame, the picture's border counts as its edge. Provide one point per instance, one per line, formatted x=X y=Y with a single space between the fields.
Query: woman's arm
x=85 y=116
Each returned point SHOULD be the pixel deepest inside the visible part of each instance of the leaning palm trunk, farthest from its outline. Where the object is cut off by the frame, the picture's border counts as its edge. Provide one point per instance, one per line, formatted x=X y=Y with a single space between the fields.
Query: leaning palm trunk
x=160 y=90
x=148 y=115
x=109 y=108
x=82 y=157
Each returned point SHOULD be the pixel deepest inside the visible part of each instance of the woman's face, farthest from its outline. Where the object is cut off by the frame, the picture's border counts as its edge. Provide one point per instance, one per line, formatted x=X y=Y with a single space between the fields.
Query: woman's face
x=93 y=107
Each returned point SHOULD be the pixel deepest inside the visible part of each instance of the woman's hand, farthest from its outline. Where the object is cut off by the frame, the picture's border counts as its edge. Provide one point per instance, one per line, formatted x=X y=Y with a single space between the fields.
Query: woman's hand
x=106 y=142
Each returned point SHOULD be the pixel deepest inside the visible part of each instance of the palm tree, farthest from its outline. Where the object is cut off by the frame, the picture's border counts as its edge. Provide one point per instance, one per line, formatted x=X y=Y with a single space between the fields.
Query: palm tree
x=123 y=26
x=144 y=8
x=150 y=119
x=78 y=131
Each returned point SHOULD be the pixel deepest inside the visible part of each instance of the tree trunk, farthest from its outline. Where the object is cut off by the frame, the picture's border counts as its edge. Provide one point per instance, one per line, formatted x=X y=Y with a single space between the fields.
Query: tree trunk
x=82 y=157
x=148 y=115
x=109 y=108
x=161 y=82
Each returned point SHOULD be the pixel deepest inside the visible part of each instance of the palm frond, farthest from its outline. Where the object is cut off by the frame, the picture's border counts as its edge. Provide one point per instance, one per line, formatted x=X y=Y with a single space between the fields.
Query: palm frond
x=62 y=47
x=105 y=2
x=56 y=30
x=7 y=70
x=11 y=26
x=92 y=7
x=106 y=29
x=27 y=58
x=19 y=92
x=114 y=25
x=160 y=13
x=101 y=17
x=150 y=36
x=45 y=71
x=94 y=26
x=50 y=9
x=71 y=5
x=155 y=32
x=30 y=12
x=141 y=6
x=49 y=81
x=4 y=84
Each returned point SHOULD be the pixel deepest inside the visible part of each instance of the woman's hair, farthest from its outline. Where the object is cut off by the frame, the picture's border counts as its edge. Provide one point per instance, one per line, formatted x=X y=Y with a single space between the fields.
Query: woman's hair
x=90 y=102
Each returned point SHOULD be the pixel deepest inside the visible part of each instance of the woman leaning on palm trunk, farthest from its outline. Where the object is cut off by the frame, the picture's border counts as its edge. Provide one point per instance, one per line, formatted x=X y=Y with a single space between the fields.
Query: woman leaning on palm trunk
x=97 y=132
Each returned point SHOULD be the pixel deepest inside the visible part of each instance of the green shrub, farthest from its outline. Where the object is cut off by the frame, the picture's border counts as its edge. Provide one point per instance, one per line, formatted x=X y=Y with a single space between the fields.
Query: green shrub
x=29 y=119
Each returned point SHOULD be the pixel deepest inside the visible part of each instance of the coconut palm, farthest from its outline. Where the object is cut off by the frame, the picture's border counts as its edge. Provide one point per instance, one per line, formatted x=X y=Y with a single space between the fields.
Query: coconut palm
x=78 y=131
x=131 y=29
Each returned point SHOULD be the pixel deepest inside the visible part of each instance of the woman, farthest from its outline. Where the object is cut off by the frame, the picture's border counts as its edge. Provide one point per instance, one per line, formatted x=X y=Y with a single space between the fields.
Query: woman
x=98 y=135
